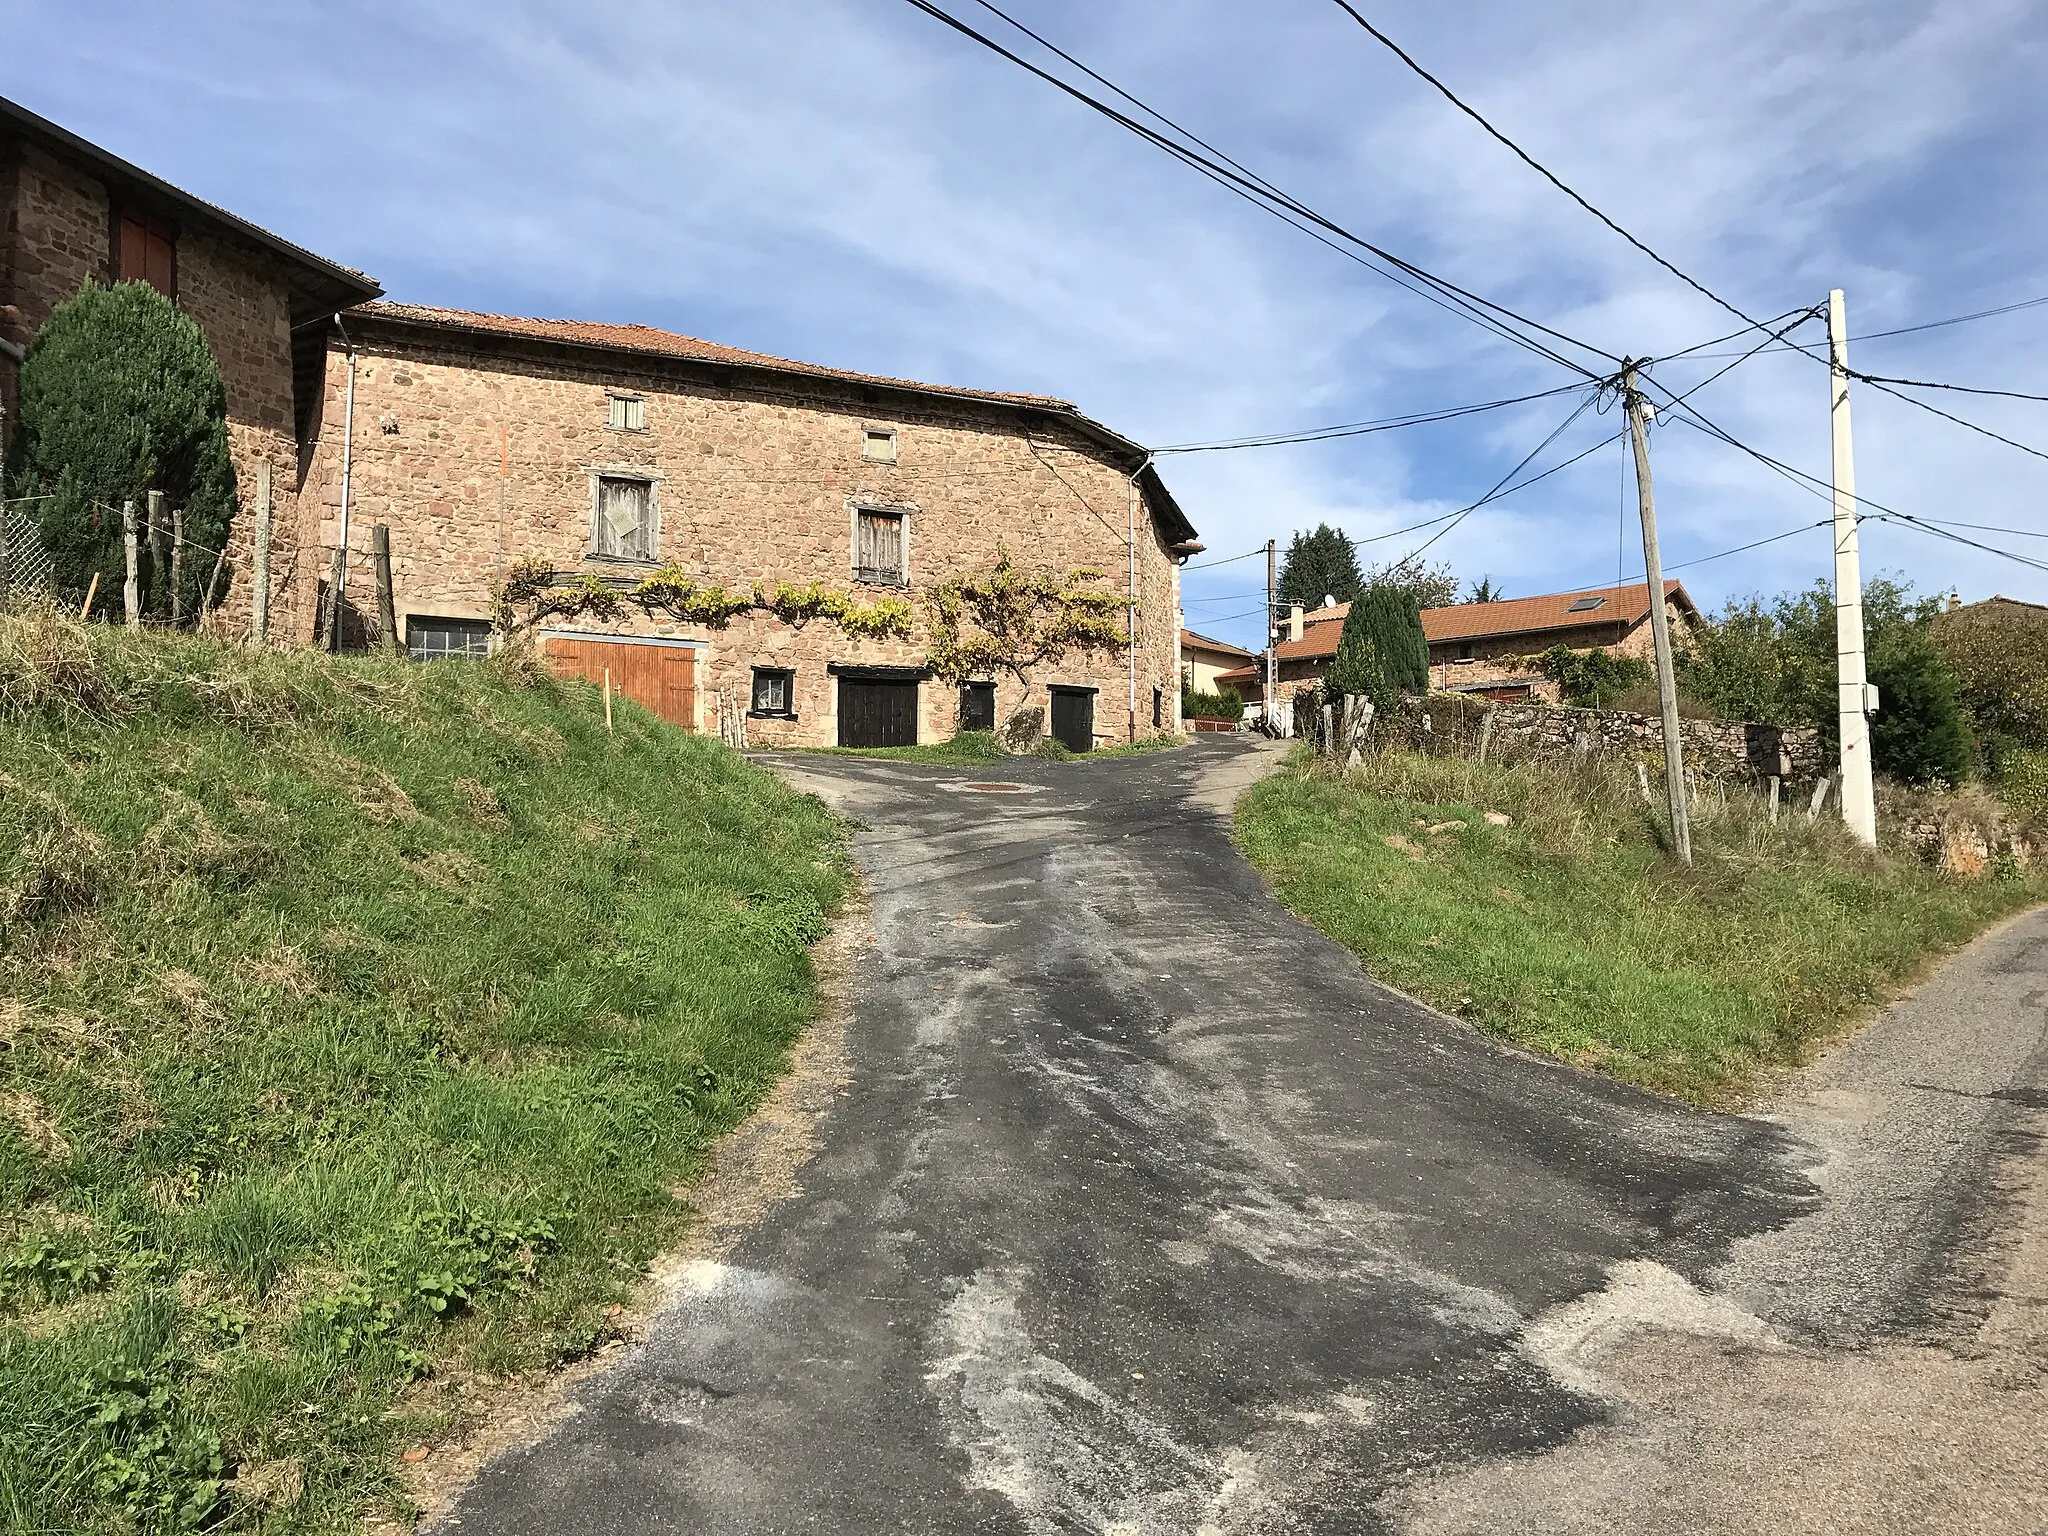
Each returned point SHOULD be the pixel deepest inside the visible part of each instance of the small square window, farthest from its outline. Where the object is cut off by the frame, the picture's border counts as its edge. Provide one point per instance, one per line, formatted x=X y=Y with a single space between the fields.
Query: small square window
x=628 y=413
x=878 y=445
x=774 y=693
x=622 y=521
x=428 y=639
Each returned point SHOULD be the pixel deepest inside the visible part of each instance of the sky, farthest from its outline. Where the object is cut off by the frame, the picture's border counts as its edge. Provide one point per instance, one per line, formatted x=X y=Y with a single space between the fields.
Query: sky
x=850 y=183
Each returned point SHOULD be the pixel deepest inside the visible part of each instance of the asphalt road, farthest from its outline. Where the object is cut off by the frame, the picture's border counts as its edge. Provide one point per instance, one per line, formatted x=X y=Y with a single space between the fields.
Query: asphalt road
x=1141 y=1210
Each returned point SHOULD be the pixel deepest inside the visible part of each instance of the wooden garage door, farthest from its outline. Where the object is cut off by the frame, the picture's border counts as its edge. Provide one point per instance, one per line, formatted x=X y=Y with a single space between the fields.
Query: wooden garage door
x=660 y=678
x=877 y=714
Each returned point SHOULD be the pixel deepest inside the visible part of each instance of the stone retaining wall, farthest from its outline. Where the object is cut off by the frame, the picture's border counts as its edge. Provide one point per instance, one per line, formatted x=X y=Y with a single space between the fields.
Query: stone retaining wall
x=1716 y=750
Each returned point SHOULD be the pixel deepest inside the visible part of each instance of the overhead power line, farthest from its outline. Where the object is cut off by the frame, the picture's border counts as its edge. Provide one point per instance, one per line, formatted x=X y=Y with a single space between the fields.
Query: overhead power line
x=1965 y=389
x=1190 y=150
x=1935 y=325
x=1361 y=428
x=1538 y=167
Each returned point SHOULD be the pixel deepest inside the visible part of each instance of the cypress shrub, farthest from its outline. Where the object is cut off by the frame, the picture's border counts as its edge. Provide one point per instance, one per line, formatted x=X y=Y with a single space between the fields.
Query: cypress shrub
x=120 y=396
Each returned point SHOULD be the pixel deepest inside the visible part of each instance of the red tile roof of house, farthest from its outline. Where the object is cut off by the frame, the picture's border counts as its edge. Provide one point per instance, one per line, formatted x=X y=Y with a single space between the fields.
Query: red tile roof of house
x=1223 y=647
x=1474 y=621
x=647 y=338
x=1533 y=615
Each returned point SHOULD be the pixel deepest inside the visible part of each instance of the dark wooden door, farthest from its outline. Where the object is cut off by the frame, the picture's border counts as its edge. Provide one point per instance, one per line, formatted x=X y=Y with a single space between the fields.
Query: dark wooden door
x=877 y=714
x=978 y=707
x=660 y=678
x=1073 y=719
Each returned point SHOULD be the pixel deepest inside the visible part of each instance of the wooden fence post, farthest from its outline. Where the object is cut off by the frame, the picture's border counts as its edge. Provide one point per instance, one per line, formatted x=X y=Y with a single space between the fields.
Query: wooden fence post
x=259 y=579
x=1820 y=797
x=177 y=565
x=1328 y=745
x=131 y=552
x=1485 y=734
x=1643 y=782
x=387 y=612
x=334 y=598
x=1774 y=799
x=159 y=554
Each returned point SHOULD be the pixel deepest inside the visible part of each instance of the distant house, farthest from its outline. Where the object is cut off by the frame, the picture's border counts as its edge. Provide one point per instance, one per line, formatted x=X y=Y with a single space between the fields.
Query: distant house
x=1489 y=649
x=1203 y=660
x=71 y=213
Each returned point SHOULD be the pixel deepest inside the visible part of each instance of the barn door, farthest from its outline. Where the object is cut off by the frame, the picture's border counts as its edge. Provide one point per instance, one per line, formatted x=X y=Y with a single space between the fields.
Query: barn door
x=660 y=678
x=877 y=714
x=1073 y=718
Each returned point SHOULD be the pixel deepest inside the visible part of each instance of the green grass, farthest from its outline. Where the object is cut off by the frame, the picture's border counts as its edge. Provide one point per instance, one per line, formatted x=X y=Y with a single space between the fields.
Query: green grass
x=358 y=1022
x=1571 y=932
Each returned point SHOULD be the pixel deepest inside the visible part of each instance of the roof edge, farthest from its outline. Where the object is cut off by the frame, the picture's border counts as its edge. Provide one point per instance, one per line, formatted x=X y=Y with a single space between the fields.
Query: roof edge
x=357 y=287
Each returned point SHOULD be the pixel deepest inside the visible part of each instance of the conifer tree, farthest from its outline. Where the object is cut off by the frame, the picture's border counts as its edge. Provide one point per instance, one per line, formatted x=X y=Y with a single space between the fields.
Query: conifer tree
x=1319 y=565
x=120 y=396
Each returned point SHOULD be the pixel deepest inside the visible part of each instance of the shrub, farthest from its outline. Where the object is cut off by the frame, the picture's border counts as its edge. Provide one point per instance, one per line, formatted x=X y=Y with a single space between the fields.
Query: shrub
x=121 y=396
x=1224 y=704
x=1594 y=679
x=1998 y=654
x=1382 y=652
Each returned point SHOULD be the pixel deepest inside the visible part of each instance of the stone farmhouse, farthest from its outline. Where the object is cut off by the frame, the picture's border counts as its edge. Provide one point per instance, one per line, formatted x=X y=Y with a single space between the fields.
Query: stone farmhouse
x=609 y=451
x=1488 y=649
x=74 y=212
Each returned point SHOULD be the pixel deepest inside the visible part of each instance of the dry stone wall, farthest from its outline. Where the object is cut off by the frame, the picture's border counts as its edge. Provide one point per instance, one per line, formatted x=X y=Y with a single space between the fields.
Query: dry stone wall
x=1713 y=748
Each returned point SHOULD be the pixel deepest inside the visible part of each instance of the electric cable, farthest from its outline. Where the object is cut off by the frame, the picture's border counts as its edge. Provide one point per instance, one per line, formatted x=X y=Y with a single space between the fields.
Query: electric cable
x=1540 y=169
x=1362 y=428
x=1442 y=291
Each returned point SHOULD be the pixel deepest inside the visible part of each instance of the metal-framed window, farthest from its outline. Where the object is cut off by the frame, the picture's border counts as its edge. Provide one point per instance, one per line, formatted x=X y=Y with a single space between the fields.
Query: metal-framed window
x=433 y=639
x=624 y=516
x=774 y=693
x=881 y=547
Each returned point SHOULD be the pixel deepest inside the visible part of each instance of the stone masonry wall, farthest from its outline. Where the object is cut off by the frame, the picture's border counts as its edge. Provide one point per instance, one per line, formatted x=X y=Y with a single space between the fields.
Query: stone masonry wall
x=482 y=454
x=58 y=234
x=1713 y=748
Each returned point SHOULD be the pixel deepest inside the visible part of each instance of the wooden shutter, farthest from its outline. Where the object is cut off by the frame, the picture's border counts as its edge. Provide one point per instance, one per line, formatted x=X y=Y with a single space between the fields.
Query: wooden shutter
x=879 y=555
x=625 y=519
x=146 y=253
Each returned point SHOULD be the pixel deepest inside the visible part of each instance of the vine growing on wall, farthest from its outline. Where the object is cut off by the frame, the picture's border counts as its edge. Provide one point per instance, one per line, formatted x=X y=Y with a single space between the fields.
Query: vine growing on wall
x=1016 y=621
x=531 y=593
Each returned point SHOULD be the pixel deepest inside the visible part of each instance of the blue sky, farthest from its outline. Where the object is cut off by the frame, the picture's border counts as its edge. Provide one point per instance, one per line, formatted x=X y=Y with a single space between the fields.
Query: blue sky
x=844 y=181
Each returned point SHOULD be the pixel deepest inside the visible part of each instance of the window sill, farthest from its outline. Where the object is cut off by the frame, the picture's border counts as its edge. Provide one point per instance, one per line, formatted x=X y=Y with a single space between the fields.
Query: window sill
x=868 y=579
x=770 y=714
x=636 y=561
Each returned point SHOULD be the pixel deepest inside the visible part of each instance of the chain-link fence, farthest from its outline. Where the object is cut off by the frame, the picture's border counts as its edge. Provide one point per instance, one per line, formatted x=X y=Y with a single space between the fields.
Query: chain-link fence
x=25 y=565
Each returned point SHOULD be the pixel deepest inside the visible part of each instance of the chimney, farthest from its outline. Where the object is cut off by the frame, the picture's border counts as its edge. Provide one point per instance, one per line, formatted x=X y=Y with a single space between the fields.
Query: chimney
x=1294 y=621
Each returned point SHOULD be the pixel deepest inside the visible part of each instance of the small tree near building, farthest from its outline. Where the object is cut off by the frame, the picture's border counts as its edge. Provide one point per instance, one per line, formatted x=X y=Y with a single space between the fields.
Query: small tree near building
x=121 y=396
x=1382 y=652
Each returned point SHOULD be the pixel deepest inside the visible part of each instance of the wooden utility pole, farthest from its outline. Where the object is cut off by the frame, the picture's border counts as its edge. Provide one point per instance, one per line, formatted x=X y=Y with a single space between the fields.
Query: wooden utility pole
x=259 y=581
x=387 y=613
x=1271 y=709
x=1852 y=693
x=131 y=553
x=1660 y=622
x=158 y=552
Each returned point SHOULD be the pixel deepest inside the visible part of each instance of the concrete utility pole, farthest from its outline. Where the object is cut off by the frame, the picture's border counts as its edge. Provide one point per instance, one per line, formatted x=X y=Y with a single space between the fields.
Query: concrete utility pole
x=1859 y=803
x=1660 y=622
x=1270 y=707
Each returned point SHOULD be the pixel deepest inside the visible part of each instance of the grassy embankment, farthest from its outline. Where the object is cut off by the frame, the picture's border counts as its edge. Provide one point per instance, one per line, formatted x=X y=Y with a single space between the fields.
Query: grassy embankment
x=357 y=1022
x=1571 y=932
